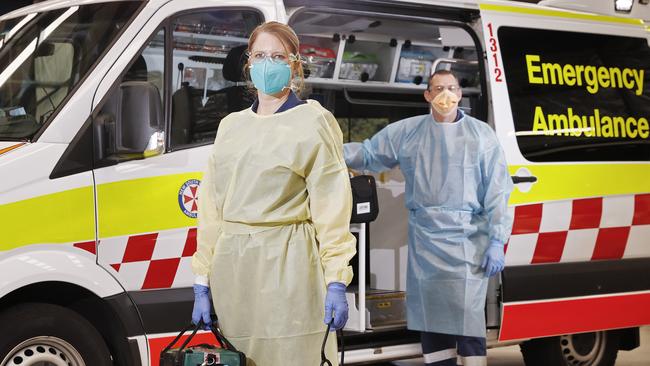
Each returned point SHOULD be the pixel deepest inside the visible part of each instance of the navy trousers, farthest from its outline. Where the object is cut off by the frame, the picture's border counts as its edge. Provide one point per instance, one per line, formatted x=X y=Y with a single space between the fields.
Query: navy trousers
x=452 y=350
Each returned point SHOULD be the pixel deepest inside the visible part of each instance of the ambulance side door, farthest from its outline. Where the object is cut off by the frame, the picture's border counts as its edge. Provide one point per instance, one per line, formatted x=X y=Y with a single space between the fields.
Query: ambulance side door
x=571 y=105
x=155 y=119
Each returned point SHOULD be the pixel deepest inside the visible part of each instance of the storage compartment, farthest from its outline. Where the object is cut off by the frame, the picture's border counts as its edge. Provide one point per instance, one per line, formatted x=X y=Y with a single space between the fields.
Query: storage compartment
x=383 y=309
x=319 y=60
x=366 y=60
x=414 y=66
x=383 y=54
x=415 y=63
x=358 y=66
x=466 y=69
x=386 y=308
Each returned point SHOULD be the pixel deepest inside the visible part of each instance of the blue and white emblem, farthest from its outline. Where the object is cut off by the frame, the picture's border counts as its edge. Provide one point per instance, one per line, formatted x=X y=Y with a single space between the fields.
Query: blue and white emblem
x=187 y=197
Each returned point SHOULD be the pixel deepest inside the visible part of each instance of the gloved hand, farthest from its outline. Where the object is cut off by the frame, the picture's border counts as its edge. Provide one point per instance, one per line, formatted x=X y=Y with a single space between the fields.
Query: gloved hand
x=336 y=305
x=201 y=310
x=494 y=259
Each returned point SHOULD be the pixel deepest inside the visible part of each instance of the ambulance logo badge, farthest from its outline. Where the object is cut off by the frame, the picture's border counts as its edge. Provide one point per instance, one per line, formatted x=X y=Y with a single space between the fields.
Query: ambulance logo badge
x=187 y=197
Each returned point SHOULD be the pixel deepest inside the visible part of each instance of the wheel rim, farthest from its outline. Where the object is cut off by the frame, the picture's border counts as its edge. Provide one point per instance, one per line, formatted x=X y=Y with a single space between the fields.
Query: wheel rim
x=583 y=349
x=43 y=351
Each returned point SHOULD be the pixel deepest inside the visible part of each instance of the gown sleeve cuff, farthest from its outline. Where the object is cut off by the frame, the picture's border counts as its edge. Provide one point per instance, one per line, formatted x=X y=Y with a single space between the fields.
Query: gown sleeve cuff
x=202 y=280
x=343 y=276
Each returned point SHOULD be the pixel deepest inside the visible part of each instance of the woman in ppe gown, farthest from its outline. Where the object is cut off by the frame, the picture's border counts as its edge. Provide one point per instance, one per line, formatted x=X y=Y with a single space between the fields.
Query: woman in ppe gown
x=273 y=220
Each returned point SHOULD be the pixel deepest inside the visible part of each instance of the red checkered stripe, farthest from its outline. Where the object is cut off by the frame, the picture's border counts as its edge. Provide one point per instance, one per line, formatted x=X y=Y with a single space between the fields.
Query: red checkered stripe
x=613 y=227
x=148 y=261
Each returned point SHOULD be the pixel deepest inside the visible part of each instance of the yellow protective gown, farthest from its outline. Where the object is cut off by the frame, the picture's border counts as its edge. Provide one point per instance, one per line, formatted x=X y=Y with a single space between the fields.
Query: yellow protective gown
x=273 y=230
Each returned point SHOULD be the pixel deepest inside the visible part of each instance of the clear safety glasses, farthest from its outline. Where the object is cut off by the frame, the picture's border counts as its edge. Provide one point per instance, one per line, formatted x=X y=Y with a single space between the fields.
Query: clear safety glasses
x=274 y=57
x=440 y=88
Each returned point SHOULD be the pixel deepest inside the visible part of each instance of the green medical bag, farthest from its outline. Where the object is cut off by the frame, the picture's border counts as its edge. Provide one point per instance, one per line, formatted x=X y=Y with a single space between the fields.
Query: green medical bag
x=203 y=354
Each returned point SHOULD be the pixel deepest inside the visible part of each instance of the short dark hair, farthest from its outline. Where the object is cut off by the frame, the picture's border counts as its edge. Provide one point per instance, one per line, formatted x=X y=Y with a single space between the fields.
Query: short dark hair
x=441 y=72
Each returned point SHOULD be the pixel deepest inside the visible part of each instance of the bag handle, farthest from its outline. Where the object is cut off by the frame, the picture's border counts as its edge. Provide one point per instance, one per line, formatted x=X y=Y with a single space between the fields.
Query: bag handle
x=225 y=343
x=173 y=342
x=323 y=359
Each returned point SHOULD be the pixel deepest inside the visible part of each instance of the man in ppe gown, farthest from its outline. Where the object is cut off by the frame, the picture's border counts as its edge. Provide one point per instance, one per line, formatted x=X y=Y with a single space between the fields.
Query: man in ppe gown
x=457 y=189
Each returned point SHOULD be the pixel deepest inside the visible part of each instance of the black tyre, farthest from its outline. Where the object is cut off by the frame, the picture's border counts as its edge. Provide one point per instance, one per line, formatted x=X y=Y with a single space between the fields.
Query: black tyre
x=587 y=349
x=49 y=335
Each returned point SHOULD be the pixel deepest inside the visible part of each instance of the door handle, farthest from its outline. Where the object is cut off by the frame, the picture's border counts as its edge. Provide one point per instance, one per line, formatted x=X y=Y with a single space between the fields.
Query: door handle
x=517 y=179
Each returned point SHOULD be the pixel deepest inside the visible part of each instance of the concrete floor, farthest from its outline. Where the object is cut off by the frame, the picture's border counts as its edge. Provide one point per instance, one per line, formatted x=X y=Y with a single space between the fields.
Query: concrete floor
x=511 y=356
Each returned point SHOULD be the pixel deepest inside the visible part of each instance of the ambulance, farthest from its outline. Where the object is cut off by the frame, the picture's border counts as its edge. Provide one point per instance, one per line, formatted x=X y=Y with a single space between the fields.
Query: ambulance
x=108 y=109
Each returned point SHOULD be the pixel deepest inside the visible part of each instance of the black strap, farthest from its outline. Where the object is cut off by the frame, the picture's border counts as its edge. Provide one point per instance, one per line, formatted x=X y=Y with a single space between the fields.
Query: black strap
x=225 y=343
x=171 y=344
x=323 y=359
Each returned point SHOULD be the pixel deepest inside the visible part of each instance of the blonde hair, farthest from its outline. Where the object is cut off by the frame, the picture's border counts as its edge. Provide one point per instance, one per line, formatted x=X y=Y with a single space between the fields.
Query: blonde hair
x=291 y=44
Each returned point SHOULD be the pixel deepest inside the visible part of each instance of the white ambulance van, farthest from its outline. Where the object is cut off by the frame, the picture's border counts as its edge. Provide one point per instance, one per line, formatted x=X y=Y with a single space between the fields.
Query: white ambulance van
x=108 y=110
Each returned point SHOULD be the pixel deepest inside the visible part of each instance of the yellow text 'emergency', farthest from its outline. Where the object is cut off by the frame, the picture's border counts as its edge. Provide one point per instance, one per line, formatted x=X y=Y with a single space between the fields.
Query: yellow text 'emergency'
x=592 y=77
x=595 y=125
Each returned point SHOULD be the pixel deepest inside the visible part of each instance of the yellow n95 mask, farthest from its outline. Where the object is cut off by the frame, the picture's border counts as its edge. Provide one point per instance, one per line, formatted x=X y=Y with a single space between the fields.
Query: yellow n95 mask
x=445 y=103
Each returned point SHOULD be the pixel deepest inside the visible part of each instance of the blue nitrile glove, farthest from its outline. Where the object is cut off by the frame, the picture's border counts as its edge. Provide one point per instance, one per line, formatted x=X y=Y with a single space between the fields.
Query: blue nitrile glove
x=201 y=310
x=494 y=259
x=336 y=305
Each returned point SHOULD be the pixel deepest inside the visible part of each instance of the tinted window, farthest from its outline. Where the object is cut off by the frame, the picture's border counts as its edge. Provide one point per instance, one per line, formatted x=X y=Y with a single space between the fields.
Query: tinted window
x=10 y=26
x=576 y=96
x=40 y=66
x=122 y=119
x=207 y=82
x=360 y=120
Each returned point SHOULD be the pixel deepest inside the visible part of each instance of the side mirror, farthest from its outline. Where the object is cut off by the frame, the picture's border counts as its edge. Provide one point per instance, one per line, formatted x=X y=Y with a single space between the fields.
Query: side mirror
x=130 y=125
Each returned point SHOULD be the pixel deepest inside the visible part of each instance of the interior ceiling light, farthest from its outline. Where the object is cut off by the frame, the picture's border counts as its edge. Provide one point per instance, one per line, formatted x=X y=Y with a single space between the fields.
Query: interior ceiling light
x=624 y=6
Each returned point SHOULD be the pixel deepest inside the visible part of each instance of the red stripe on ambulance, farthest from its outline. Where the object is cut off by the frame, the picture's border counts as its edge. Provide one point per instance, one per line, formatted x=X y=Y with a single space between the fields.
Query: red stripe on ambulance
x=569 y=316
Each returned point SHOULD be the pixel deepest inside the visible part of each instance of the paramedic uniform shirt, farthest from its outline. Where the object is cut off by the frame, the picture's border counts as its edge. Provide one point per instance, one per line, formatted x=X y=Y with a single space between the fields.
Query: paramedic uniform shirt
x=457 y=188
x=273 y=230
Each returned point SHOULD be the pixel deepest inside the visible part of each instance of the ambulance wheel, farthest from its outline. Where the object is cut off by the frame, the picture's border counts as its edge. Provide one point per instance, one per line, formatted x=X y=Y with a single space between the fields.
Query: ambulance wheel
x=45 y=334
x=587 y=349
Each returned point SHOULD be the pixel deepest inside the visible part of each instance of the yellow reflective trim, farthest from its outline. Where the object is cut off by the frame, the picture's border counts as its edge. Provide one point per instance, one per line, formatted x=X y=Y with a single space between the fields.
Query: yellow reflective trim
x=62 y=217
x=7 y=149
x=142 y=205
x=572 y=181
x=560 y=14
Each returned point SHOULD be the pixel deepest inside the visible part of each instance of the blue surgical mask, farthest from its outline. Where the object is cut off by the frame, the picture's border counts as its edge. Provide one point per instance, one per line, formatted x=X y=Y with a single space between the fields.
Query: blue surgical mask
x=270 y=77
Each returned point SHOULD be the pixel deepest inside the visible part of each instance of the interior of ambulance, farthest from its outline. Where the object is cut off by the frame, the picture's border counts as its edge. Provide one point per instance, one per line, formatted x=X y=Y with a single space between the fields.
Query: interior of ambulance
x=369 y=69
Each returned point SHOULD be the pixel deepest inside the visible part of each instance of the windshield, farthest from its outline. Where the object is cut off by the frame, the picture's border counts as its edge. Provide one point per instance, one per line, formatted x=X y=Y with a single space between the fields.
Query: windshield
x=46 y=55
x=11 y=26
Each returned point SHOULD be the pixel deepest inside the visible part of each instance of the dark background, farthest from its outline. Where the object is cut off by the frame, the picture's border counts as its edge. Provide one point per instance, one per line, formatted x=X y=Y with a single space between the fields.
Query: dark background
x=7 y=6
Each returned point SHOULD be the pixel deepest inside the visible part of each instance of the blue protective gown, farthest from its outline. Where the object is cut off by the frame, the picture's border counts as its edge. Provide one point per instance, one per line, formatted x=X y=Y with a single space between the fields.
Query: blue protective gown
x=457 y=189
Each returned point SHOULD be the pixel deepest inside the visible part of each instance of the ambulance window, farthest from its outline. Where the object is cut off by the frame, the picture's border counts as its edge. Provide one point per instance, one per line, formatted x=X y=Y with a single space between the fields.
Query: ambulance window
x=362 y=114
x=359 y=129
x=578 y=96
x=207 y=82
x=125 y=124
x=43 y=62
x=11 y=26
x=360 y=121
